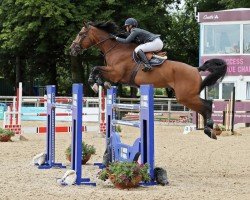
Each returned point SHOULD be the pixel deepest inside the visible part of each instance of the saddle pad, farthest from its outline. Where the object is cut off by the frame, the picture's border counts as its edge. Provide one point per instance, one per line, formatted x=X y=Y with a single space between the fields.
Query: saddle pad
x=154 y=61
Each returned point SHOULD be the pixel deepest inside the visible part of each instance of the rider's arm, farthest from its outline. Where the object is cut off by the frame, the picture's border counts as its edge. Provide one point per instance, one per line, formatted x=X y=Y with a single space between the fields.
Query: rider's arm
x=129 y=39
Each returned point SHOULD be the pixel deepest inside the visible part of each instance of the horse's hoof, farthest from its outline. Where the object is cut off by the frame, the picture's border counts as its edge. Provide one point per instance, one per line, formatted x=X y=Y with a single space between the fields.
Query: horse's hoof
x=213 y=135
x=107 y=85
x=95 y=88
x=210 y=133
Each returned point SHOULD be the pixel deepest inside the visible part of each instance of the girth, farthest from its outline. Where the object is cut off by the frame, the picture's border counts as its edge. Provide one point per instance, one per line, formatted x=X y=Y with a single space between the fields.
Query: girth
x=133 y=75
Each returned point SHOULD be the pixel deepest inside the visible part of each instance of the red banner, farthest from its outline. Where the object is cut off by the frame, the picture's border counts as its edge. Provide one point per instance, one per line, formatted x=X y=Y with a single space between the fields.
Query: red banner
x=237 y=65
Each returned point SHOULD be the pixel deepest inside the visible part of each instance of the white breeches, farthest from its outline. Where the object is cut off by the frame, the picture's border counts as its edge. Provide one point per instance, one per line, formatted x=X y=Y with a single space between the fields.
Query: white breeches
x=155 y=45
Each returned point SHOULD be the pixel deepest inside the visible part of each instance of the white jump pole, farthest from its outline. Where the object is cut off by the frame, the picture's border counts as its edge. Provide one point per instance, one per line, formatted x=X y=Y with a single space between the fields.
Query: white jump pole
x=19 y=102
x=231 y=111
x=102 y=110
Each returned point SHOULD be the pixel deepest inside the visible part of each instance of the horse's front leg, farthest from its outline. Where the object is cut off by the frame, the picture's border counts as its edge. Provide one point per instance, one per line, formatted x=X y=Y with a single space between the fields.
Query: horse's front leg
x=93 y=75
x=96 y=79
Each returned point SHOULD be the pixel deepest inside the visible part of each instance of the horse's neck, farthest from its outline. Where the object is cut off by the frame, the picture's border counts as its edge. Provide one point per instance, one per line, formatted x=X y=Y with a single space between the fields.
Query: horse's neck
x=116 y=54
x=103 y=43
x=109 y=44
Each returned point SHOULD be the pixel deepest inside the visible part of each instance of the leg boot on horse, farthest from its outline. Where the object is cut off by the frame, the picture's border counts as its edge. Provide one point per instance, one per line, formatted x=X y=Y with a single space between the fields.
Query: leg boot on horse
x=95 y=81
x=207 y=116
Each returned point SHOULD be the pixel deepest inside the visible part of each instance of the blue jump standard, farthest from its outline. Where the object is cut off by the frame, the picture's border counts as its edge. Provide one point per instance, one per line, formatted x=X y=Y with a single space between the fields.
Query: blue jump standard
x=144 y=145
x=76 y=144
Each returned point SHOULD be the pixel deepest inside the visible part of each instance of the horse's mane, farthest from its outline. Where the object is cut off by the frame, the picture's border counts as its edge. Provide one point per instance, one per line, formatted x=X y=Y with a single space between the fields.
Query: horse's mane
x=108 y=26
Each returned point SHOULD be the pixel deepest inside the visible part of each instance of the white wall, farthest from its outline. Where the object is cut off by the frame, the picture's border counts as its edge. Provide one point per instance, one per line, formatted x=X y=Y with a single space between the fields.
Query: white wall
x=240 y=83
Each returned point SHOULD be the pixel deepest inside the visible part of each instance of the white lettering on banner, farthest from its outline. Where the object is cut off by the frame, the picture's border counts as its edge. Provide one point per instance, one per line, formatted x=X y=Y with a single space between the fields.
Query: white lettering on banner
x=144 y=104
x=231 y=69
x=74 y=99
x=242 y=115
x=244 y=69
x=210 y=17
x=235 y=61
x=217 y=115
x=124 y=150
x=144 y=101
x=239 y=69
x=52 y=96
x=109 y=99
x=144 y=97
x=124 y=153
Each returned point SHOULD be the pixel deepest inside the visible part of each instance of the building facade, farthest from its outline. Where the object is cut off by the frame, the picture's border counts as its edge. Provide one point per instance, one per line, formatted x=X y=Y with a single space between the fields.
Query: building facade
x=226 y=34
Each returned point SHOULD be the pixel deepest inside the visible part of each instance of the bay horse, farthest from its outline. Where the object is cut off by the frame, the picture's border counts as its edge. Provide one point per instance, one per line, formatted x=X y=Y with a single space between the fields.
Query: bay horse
x=120 y=67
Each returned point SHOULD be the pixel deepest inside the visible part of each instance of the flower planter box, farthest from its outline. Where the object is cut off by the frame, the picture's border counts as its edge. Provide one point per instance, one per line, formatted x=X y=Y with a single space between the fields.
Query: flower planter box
x=217 y=132
x=5 y=138
x=84 y=161
x=132 y=184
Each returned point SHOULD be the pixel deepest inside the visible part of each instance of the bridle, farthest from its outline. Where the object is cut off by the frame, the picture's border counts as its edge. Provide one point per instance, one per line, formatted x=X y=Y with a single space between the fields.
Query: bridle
x=83 y=35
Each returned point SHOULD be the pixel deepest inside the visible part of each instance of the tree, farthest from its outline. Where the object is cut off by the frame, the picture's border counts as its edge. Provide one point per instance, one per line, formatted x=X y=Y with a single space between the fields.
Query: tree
x=183 y=39
x=152 y=15
x=35 y=35
x=230 y=4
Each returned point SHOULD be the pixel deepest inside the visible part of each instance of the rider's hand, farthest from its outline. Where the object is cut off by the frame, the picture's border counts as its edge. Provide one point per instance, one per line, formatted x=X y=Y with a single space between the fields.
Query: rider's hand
x=113 y=36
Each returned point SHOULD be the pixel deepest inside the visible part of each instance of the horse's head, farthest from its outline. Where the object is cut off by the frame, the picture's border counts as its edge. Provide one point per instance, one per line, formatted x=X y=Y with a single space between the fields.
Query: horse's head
x=93 y=34
x=82 y=41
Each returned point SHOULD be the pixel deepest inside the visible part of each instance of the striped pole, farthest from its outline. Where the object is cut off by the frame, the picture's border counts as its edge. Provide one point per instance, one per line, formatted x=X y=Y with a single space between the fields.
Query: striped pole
x=102 y=111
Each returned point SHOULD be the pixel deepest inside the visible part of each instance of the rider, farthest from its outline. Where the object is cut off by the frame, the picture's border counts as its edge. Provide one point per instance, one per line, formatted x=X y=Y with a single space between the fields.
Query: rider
x=148 y=42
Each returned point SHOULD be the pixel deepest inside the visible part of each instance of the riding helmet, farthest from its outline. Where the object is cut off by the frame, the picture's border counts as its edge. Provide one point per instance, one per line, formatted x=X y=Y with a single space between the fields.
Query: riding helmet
x=131 y=21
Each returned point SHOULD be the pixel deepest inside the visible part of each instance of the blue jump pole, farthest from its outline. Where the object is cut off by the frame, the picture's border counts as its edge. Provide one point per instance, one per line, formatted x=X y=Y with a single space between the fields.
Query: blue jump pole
x=76 y=146
x=144 y=145
x=147 y=127
x=50 y=135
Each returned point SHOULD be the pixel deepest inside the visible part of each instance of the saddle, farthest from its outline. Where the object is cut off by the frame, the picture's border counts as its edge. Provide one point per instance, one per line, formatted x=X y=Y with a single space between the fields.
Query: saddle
x=155 y=58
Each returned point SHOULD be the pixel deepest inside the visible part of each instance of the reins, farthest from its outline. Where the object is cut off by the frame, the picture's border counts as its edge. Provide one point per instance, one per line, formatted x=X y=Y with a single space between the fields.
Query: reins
x=110 y=49
x=102 y=41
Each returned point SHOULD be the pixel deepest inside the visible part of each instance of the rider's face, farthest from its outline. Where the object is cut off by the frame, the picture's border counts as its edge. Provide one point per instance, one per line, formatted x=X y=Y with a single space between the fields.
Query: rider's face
x=128 y=28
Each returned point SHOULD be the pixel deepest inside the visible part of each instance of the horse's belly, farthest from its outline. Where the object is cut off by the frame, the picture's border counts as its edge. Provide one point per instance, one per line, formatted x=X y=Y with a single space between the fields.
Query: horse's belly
x=156 y=80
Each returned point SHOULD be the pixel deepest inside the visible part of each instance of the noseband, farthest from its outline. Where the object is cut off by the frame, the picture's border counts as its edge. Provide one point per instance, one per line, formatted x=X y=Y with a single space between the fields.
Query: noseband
x=77 y=45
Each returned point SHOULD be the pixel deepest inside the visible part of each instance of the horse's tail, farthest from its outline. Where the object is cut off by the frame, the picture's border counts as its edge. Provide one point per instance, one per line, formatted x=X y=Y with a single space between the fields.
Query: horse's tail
x=217 y=69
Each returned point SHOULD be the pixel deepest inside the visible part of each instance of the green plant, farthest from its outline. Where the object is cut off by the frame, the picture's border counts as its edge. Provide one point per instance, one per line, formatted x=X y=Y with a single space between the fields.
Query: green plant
x=4 y=132
x=220 y=127
x=118 y=128
x=86 y=150
x=125 y=172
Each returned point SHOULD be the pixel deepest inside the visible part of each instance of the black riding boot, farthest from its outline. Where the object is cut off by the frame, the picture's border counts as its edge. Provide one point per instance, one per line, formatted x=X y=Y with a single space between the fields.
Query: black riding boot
x=144 y=59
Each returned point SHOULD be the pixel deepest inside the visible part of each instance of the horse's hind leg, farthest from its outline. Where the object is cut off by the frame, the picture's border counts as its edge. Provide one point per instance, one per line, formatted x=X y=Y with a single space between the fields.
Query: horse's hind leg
x=204 y=107
x=206 y=112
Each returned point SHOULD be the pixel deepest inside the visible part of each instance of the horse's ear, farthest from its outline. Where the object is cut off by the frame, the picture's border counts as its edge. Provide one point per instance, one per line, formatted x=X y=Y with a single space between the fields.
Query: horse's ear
x=85 y=24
